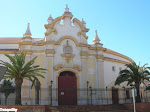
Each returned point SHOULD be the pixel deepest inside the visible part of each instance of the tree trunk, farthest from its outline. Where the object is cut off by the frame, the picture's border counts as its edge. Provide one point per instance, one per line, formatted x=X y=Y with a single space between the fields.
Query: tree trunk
x=138 y=98
x=18 y=83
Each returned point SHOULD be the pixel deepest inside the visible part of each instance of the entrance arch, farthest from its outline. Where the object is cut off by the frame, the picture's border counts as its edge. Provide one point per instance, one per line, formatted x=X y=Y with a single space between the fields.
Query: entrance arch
x=67 y=88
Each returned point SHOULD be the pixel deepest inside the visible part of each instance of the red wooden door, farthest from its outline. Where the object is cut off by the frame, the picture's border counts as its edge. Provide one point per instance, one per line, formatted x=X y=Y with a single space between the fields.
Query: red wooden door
x=67 y=94
x=115 y=99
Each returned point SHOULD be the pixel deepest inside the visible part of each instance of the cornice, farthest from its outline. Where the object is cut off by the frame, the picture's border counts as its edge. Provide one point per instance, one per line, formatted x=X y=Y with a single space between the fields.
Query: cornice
x=26 y=38
x=50 y=51
x=96 y=48
x=9 y=42
x=25 y=43
x=119 y=55
x=114 y=60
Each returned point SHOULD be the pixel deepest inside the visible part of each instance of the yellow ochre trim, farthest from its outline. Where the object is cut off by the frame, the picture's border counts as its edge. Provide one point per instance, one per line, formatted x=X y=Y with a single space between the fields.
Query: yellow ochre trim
x=67 y=16
x=52 y=30
x=51 y=26
x=83 y=29
x=9 y=42
x=26 y=38
x=50 y=51
x=67 y=37
x=119 y=55
x=114 y=60
x=82 y=33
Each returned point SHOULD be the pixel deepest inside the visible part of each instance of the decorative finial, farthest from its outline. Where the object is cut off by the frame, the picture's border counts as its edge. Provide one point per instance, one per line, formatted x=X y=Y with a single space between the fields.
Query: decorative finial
x=96 y=32
x=28 y=29
x=50 y=19
x=96 y=38
x=84 y=23
x=67 y=10
x=28 y=32
x=82 y=20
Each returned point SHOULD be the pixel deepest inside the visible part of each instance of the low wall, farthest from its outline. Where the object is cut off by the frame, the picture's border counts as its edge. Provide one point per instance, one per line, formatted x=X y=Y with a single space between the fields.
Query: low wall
x=140 y=107
x=25 y=108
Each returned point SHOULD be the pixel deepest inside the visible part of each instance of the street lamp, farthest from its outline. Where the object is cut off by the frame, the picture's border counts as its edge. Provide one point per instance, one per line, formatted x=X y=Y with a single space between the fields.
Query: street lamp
x=37 y=92
x=91 y=93
x=87 y=91
x=51 y=82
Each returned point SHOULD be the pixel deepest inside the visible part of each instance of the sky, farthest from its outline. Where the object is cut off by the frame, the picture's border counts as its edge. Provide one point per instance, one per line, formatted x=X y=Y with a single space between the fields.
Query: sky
x=122 y=25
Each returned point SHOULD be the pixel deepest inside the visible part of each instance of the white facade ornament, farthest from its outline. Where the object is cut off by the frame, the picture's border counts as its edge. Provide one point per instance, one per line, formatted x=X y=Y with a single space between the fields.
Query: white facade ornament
x=67 y=48
x=28 y=32
x=50 y=19
x=96 y=39
x=67 y=10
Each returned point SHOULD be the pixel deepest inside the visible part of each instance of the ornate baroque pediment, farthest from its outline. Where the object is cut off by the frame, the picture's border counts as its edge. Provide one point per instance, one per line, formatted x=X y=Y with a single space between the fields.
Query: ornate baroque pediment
x=60 y=66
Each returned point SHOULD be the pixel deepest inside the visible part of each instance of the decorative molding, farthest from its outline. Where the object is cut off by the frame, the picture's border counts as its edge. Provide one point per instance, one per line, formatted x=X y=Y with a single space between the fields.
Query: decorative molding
x=83 y=29
x=67 y=16
x=114 y=60
x=9 y=42
x=83 y=45
x=119 y=55
x=57 y=67
x=7 y=52
x=82 y=33
x=97 y=48
x=26 y=37
x=99 y=57
x=51 y=42
x=68 y=56
x=67 y=37
x=51 y=30
x=67 y=48
x=50 y=51
x=77 y=67
x=25 y=43
x=84 y=53
x=28 y=52
x=60 y=66
x=39 y=44
x=51 y=26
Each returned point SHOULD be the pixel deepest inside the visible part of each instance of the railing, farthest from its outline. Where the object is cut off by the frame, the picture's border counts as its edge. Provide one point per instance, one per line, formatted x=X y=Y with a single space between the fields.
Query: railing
x=78 y=96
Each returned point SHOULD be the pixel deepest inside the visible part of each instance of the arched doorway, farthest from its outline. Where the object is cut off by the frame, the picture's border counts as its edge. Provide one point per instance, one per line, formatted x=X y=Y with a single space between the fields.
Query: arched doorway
x=67 y=88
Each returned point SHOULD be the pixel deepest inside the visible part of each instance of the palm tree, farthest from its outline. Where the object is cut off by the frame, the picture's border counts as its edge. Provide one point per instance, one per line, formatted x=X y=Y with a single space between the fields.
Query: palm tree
x=134 y=75
x=19 y=70
x=7 y=89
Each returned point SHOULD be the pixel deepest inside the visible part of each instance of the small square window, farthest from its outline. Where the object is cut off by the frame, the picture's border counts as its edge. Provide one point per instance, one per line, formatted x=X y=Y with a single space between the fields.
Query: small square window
x=113 y=68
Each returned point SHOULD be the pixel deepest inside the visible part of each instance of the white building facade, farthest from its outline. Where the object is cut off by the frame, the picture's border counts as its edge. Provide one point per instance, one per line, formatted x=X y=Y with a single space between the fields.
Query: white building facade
x=70 y=60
